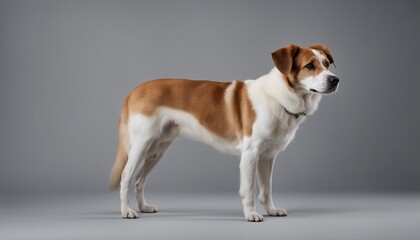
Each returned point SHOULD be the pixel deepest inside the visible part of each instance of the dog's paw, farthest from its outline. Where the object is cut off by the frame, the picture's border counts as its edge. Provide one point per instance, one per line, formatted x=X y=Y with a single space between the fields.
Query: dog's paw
x=148 y=209
x=129 y=213
x=279 y=212
x=254 y=217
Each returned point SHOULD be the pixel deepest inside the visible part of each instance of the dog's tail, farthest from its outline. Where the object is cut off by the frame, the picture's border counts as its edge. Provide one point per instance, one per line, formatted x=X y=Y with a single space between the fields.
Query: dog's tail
x=119 y=164
x=122 y=157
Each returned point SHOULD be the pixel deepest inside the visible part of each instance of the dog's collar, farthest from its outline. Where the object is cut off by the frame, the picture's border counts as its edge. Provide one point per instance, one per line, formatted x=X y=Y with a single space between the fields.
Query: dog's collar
x=296 y=115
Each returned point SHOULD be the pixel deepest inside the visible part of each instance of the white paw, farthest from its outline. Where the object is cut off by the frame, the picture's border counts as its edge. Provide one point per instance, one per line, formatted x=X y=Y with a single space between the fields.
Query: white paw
x=129 y=213
x=254 y=217
x=148 y=209
x=280 y=212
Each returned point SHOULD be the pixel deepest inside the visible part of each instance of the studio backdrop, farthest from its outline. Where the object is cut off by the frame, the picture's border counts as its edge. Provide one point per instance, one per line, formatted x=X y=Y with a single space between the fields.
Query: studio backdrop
x=66 y=67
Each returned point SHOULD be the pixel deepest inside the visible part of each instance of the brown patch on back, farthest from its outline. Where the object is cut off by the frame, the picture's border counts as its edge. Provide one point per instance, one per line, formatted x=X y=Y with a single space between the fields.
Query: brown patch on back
x=205 y=100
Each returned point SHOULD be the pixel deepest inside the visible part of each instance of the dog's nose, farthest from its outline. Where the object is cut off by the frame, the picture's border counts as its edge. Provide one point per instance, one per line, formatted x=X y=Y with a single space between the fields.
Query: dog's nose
x=333 y=80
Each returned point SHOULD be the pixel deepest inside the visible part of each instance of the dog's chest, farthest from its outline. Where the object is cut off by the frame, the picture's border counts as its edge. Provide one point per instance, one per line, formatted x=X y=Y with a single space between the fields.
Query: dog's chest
x=279 y=133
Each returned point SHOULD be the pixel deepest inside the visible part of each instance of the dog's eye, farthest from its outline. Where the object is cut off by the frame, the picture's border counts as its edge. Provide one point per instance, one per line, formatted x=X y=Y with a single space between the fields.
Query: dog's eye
x=327 y=65
x=310 y=66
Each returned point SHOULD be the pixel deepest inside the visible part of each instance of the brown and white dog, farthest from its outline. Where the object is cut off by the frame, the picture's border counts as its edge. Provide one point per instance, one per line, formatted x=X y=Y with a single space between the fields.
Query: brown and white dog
x=255 y=119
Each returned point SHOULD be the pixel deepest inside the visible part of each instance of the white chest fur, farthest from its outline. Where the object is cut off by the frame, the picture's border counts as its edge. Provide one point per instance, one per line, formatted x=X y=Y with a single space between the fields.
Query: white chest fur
x=274 y=127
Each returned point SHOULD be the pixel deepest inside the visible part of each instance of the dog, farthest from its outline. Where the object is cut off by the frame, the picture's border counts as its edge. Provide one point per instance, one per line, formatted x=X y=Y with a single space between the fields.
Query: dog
x=254 y=119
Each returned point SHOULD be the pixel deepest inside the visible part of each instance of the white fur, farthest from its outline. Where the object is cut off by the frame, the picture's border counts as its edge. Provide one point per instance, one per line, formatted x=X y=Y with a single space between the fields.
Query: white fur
x=149 y=137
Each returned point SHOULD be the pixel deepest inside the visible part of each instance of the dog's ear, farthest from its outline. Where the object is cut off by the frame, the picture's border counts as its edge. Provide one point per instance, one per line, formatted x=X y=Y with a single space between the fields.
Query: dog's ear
x=283 y=58
x=323 y=49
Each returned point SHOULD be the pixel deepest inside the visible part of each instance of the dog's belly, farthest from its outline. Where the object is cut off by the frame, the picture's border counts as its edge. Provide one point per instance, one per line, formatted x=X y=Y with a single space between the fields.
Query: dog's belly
x=190 y=127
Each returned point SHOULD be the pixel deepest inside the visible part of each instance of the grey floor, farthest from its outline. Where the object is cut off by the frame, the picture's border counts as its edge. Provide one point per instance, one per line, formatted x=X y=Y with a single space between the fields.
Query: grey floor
x=195 y=216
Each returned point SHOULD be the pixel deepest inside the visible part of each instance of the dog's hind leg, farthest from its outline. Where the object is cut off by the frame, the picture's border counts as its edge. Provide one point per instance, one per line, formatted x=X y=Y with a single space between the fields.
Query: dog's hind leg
x=137 y=153
x=142 y=136
x=156 y=152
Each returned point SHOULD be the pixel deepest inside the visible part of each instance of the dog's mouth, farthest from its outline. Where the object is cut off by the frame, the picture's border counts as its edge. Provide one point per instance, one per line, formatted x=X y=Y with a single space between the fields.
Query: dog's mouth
x=331 y=89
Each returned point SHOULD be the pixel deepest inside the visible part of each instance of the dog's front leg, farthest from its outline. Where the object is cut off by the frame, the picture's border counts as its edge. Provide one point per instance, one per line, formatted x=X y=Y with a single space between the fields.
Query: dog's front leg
x=265 y=173
x=247 y=189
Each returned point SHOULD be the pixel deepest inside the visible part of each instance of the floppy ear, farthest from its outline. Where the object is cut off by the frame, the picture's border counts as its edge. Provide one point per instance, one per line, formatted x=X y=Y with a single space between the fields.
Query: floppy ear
x=323 y=49
x=283 y=58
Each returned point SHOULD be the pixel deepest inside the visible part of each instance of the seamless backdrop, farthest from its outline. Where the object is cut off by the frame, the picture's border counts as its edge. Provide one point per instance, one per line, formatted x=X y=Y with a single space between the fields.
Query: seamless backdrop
x=66 y=66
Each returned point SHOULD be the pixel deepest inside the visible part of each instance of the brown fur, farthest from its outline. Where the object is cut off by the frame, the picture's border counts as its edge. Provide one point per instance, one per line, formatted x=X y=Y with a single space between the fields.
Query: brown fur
x=241 y=113
x=205 y=100
x=283 y=59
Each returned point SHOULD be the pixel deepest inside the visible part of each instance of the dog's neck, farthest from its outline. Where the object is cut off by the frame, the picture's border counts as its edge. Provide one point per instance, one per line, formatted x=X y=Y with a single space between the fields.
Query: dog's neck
x=296 y=115
x=294 y=103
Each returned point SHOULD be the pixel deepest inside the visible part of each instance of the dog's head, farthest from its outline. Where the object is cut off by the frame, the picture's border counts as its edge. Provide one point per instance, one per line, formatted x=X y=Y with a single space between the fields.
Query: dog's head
x=306 y=69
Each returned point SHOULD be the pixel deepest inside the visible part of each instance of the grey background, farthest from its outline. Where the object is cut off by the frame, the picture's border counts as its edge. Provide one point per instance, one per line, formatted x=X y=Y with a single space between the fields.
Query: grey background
x=66 y=66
